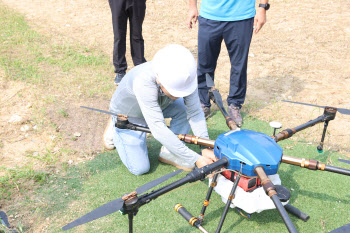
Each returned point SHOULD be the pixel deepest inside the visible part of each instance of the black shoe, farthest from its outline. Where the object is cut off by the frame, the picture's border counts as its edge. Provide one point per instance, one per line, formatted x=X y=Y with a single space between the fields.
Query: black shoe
x=119 y=77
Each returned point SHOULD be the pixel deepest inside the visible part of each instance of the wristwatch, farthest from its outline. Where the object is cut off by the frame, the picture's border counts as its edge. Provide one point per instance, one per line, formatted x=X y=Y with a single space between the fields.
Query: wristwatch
x=265 y=6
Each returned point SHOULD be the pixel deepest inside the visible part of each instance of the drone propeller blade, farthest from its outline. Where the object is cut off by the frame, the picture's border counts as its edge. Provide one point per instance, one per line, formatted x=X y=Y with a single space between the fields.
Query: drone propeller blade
x=156 y=182
x=98 y=110
x=344 y=111
x=217 y=97
x=116 y=204
x=340 y=110
x=134 y=120
x=101 y=211
x=303 y=104
x=343 y=229
x=344 y=161
x=209 y=80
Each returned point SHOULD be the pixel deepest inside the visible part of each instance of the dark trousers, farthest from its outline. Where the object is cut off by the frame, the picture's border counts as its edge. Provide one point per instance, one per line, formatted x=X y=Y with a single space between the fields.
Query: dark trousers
x=237 y=36
x=122 y=10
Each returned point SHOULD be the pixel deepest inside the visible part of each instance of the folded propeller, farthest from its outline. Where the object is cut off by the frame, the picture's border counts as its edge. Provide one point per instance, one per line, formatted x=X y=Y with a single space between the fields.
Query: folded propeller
x=117 y=204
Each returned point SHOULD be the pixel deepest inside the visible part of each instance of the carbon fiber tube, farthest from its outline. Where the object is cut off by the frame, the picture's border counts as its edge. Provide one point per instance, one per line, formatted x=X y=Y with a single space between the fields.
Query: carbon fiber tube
x=206 y=202
x=287 y=133
x=186 y=215
x=310 y=123
x=228 y=203
x=283 y=214
x=296 y=212
x=189 y=217
x=130 y=216
x=338 y=170
x=197 y=174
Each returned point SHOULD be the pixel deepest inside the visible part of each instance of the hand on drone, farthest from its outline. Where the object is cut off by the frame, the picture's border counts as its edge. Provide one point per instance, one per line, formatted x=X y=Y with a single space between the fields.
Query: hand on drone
x=209 y=153
x=207 y=158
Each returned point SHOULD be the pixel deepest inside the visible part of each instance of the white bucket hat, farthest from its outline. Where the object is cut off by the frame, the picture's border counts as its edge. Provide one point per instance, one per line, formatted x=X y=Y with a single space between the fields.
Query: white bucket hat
x=176 y=70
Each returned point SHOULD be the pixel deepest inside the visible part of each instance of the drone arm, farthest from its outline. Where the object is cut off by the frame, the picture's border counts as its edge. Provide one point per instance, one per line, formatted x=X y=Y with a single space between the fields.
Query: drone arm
x=123 y=123
x=287 y=133
x=215 y=96
x=190 y=139
x=338 y=170
x=271 y=192
x=328 y=115
x=314 y=165
x=197 y=174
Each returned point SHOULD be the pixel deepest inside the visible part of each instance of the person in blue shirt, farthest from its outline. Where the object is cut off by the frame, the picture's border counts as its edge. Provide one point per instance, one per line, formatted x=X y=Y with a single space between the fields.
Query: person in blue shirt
x=234 y=22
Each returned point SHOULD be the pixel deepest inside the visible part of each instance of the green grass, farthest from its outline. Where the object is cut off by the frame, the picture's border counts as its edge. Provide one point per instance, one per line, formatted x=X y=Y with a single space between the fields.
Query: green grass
x=63 y=113
x=65 y=195
x=19 y=179
x=324 y=196
x=34 y=58
x=48 y=158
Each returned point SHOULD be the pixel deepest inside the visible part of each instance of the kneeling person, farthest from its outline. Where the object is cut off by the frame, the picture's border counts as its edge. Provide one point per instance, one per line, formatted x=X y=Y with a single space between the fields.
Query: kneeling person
x=165 y=87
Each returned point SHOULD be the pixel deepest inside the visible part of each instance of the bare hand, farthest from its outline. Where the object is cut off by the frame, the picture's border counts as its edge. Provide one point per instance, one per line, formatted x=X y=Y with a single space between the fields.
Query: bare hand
x=192 y=15
x=203 y=161
x=208 y=153
x=259 y=19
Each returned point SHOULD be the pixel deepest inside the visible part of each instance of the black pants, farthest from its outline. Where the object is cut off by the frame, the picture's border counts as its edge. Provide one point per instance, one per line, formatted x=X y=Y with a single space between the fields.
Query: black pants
x=122 y=10
x=237 y=36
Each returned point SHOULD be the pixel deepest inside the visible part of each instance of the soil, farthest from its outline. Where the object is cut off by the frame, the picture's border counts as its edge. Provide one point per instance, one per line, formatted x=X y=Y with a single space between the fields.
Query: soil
x=301 y=54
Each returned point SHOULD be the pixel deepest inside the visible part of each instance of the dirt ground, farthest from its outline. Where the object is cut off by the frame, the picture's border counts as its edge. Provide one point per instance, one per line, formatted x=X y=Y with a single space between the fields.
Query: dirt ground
x=301 y=54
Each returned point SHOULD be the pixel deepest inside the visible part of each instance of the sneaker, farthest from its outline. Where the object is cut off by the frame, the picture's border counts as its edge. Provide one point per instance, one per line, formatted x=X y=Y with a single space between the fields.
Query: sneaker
x=235 y=114
x=206 y=111
x=118 y=78
x=166 y=156
x=108 y=135
x=4 y=219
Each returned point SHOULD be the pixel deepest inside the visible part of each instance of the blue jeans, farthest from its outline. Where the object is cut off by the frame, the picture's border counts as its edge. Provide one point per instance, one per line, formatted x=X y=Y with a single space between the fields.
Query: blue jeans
x=132 y=145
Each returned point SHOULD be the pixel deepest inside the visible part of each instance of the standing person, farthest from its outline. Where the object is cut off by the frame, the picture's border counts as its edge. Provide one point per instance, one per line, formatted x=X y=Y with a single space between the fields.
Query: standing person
x=165 y=87
x=232 y=21
x=122 y=10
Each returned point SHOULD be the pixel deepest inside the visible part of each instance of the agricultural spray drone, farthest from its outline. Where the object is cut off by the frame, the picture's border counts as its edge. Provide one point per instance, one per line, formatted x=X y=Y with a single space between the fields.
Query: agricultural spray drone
x=251 y=157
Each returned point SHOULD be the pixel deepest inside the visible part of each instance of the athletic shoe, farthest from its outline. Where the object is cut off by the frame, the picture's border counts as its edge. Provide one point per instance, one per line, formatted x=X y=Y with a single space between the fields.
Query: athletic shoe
x=235 y=114
x=118 y=78
x=166 y=156
x=108 y=135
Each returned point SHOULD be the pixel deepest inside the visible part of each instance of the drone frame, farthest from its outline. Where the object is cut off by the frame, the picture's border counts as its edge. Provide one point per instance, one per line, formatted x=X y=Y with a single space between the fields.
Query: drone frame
x=132 y=203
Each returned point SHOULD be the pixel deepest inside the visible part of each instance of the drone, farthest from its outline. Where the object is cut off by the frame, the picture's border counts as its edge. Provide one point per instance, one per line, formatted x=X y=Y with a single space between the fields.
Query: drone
x=249 y=167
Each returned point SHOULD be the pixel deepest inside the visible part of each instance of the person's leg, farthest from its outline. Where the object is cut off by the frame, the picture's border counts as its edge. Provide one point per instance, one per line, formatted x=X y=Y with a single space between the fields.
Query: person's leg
x=179 y=125
x=119 y=20
x=209 y=45
x=177 y=112
x=237 y=37
x=136 y=16
x=132 y=149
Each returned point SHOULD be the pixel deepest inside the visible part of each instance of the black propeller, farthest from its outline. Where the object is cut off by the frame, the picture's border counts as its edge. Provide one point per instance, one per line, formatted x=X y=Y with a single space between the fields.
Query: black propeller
x=217 y=99
x=344 y=161
x=343 y=229
x=116 y=204
x=98 y=110
x=134 y=120
x=340 y=110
